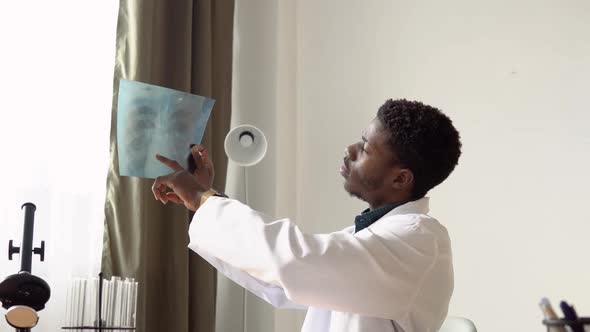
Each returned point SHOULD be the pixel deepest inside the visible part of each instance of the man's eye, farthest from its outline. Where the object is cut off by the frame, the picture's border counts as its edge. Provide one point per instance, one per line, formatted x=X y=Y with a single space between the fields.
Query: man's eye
x=361 y=146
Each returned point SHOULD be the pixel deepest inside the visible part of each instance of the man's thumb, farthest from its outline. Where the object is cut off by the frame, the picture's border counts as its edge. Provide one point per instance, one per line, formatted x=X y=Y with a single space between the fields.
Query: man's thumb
x=200 y=156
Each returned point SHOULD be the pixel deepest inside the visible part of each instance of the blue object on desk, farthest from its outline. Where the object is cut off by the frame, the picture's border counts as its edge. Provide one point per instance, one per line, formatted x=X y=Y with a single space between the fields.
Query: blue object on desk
x=156 y=120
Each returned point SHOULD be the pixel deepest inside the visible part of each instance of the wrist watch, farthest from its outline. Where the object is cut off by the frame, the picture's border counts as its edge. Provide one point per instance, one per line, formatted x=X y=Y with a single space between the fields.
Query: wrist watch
x=209 y=193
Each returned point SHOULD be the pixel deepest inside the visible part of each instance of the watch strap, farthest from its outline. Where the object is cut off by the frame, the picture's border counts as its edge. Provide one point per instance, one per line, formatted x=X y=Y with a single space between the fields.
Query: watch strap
x=211 y=192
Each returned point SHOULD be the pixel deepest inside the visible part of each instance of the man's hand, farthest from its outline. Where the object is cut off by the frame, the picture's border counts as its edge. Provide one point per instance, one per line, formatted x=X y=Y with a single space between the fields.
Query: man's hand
x=186 y=188
x=204 y=170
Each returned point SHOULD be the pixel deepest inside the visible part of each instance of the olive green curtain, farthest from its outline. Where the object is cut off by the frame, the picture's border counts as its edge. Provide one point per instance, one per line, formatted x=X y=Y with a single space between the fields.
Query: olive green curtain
x=183 y=45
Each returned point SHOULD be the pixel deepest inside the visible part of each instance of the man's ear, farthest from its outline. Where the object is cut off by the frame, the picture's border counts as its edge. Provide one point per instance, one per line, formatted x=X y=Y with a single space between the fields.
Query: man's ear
x=403 y=179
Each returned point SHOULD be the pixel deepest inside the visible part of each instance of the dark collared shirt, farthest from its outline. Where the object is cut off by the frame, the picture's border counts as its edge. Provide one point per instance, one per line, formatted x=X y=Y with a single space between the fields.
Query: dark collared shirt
x=367 y=217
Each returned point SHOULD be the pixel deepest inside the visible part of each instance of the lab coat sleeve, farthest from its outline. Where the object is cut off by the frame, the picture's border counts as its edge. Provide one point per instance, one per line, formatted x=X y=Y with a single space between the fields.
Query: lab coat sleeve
x=368 y=273
x=272 y=294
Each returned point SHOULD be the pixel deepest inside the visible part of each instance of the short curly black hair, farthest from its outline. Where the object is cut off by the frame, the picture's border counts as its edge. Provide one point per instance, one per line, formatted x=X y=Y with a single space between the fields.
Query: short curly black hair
x=424 y=139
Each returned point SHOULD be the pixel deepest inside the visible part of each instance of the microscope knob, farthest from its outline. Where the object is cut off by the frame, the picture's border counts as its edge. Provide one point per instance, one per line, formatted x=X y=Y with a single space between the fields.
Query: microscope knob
x=12 y=250
x=40 y=251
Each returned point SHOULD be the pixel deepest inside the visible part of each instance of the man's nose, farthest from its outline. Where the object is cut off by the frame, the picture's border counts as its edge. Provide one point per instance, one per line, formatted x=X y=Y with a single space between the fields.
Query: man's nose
x=350 y=152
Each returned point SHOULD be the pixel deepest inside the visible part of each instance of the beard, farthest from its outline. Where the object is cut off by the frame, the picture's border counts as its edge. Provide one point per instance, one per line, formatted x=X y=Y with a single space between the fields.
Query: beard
x=362 y=187
x=351 y=191
x=354 y=195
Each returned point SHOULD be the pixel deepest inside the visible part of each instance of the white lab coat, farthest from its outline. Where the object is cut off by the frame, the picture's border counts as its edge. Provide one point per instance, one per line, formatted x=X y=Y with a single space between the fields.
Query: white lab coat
x=395 y=275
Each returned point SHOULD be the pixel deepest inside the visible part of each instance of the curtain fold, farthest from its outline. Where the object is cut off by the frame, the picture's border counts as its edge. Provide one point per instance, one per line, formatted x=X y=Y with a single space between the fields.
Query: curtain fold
x=183 y=45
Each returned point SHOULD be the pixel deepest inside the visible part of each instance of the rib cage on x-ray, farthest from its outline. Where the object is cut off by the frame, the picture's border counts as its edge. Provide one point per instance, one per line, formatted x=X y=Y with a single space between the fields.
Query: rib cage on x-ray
x=150 y=130
x=141 y=122
x=155 y=120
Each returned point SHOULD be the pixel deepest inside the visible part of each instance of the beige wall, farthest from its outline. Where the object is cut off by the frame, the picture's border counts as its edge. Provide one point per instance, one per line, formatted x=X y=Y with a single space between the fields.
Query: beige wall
x=254 y=99
x=513 y=75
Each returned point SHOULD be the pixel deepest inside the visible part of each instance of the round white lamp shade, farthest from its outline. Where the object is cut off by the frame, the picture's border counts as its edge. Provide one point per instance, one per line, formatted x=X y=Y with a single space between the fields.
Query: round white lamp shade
x=245 y=145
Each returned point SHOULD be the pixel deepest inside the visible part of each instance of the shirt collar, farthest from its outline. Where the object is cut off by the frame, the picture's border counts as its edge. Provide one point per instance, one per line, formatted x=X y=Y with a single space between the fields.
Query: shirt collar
x=368 y=217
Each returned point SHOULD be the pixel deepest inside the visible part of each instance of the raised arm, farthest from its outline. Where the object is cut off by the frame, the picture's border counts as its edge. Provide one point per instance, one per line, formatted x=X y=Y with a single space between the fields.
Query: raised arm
x=338 y=271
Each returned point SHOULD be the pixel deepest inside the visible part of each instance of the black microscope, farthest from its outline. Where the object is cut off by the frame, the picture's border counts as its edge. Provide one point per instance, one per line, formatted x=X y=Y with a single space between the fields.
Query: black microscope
x=24 y=294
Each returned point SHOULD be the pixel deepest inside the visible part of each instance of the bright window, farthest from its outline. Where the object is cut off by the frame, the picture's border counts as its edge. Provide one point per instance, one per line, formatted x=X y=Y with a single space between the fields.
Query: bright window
x=56 y=77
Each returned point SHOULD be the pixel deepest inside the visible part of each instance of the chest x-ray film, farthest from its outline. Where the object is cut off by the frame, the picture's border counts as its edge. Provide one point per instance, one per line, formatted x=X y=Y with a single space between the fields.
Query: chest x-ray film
x=155 y=120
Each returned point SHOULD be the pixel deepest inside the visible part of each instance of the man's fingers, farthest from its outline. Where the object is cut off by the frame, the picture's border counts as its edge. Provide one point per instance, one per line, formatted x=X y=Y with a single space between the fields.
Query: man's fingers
x=172 y=197
x=156 y=189
x=159 y=187
x=173 y=164
x=201 y=156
